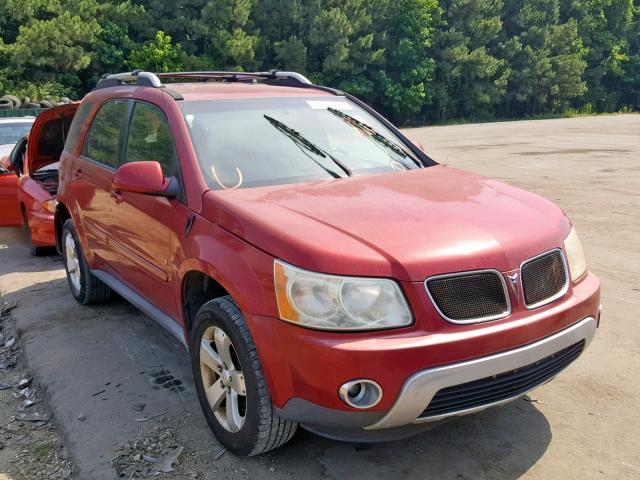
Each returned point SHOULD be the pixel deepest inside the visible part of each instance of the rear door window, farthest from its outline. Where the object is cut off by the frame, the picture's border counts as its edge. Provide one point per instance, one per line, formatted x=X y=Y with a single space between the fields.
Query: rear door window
x=103 y=139
x=150 y=138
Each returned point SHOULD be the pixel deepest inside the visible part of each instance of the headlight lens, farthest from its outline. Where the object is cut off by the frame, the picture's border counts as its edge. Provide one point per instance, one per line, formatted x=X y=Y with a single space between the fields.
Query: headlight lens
x=331 y=302
x=50 y=206
x=575 y=255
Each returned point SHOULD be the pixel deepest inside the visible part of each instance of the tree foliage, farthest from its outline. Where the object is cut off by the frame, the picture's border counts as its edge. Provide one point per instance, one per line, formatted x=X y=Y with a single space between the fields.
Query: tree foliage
x=415 y=60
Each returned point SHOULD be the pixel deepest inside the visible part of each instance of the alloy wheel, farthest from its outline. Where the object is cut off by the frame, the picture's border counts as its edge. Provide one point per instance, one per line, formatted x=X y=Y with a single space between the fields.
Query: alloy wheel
x=223 y=379
x=71 y=260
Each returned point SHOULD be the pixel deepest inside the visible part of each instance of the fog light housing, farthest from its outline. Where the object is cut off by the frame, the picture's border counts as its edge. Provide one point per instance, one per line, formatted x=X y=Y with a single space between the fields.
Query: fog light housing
x=360 y=393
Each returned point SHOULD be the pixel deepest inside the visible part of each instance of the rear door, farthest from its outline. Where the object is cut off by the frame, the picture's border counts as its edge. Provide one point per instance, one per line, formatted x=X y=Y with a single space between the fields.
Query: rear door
x=93 y=172
x=143 y=225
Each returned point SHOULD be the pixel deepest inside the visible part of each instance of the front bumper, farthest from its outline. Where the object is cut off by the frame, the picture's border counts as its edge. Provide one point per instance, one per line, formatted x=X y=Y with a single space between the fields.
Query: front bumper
x=42 y=229
x=419 y=390
x=406 y=418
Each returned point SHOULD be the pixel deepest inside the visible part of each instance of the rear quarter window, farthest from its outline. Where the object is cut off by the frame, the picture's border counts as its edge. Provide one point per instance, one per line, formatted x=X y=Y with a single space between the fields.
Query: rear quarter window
x=76 y=126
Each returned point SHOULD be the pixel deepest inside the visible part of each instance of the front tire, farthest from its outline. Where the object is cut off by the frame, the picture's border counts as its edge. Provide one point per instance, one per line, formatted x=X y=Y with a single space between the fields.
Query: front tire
x=230 y=382
x=85 y=287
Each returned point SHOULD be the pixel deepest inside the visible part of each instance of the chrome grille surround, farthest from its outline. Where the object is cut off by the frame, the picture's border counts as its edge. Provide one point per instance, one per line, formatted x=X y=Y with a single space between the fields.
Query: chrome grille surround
x=471 y=273
x=539 y=302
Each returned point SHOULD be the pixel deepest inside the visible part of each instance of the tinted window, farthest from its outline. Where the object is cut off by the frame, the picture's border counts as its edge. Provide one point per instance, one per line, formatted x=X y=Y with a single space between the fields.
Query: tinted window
x=267 y=141
x=150 y=138
x=10 y=133
x=76 y=125
x=103 y=138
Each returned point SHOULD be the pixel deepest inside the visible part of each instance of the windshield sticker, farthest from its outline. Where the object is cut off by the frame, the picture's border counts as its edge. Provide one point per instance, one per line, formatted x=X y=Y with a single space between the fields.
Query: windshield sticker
x=324 y=104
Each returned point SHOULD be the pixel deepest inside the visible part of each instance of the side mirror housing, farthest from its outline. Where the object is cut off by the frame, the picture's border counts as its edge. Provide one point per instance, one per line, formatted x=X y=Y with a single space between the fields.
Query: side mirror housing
x=142 y=177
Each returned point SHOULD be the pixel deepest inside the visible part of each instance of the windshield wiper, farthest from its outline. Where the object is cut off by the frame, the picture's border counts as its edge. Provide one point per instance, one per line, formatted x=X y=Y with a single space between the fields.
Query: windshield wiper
x=373 y=134
x=300 y=140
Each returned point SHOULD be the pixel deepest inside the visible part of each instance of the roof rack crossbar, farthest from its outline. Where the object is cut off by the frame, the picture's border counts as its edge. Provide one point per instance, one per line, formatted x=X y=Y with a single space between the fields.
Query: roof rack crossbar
x=149 y=79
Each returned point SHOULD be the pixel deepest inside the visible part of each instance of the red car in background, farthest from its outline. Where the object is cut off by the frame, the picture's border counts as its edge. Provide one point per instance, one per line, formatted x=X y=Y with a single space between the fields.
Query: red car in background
x=11 y=130
x=34 y=159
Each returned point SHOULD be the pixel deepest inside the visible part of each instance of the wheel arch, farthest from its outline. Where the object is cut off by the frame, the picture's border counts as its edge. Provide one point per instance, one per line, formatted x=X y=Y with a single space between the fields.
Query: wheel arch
x=198 y=287
x=62 y=215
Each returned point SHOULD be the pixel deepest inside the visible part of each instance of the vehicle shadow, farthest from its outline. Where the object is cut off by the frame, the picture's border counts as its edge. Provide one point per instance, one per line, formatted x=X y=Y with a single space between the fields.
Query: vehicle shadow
x=499 y=443
x=15 y=255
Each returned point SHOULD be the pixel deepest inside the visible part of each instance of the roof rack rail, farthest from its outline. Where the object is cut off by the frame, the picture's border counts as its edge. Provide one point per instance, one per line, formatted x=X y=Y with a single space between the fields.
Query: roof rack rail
x=148 y=79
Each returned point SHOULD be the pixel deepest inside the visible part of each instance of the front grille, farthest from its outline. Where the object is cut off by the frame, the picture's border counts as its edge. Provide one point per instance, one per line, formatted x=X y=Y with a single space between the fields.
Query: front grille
x=502 y=386
x=543 y=278
x=468 y=297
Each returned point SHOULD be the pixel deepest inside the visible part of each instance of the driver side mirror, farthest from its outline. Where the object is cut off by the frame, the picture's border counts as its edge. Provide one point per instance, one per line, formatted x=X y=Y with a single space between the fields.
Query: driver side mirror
x=145 y=178
x=418 y=144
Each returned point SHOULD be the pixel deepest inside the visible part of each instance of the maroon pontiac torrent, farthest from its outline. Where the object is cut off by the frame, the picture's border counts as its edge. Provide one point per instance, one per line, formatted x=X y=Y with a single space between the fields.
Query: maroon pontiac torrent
x=319 y=267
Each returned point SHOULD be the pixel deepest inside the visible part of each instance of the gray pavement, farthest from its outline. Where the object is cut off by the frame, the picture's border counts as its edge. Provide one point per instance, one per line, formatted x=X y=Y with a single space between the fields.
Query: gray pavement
x=99 y=362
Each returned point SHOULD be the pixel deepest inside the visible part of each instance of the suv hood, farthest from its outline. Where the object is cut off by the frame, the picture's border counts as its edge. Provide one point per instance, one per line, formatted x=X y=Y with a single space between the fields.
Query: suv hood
x=406 y=225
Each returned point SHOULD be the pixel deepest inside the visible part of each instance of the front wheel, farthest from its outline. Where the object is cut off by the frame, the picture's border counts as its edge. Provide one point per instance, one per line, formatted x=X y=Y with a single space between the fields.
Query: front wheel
x=84 y=286
x=230 y=382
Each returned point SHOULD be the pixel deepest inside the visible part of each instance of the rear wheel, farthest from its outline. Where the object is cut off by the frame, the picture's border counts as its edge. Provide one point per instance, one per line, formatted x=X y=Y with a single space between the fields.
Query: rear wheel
x=85 y=287
x=230 y=382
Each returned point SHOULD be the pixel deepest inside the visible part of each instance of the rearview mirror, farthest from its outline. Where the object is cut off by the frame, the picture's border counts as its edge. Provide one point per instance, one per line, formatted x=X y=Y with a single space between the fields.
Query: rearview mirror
x=143 y=177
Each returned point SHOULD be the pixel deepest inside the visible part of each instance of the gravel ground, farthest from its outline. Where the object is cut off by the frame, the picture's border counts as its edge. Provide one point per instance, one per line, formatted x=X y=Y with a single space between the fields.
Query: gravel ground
x=30 y=447
x=102 y=363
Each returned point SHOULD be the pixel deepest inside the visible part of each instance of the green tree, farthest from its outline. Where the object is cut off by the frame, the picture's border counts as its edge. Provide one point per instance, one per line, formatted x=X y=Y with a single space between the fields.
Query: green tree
x=54 y=40
x=604 y=27
x=229 y=42
x=343 y=46
x=404 y=81
x=547 y=58
x=159 y=55
x=471 y=77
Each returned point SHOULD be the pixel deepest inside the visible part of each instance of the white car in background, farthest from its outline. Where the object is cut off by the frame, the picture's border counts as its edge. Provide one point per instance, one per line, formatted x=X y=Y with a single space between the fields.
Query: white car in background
x=13 y=129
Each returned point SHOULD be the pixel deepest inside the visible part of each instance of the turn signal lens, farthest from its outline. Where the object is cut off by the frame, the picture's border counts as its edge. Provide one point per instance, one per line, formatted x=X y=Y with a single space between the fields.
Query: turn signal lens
x=50 y=206
x=331 y=302
x=575 y=255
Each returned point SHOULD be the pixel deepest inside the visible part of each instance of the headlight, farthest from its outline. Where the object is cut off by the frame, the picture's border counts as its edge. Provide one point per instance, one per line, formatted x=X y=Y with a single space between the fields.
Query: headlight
x=50 y=206
x=575 y=255
x=331 y=302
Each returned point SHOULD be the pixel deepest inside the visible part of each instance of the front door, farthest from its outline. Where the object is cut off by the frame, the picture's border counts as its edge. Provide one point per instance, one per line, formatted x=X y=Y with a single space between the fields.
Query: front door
x=144 y=223
x=9 y=209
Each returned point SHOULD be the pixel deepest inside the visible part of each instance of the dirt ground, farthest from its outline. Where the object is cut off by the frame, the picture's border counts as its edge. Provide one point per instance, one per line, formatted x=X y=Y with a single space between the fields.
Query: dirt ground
x=122 y=396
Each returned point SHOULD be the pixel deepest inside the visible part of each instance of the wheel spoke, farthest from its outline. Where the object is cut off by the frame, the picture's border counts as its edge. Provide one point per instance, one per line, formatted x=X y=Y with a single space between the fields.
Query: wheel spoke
x=208 y=356
x=223 y=345
x=234 y=420
x=215 y=394
x=237 y=382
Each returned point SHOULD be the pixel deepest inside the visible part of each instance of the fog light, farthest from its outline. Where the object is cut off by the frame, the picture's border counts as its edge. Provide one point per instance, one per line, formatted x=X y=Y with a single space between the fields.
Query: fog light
x=361 y=393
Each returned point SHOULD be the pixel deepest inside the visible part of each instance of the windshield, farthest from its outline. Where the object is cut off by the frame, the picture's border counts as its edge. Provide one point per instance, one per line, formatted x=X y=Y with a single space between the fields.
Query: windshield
x=268 y=141
x=10 y=133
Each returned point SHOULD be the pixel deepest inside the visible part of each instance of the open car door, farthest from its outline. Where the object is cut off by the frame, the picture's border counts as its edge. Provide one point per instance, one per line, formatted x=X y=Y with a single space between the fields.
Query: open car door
x=9 y=210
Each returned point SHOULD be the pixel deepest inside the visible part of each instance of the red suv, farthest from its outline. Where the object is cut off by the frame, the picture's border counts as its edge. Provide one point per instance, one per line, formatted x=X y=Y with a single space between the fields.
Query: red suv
x=320 y=268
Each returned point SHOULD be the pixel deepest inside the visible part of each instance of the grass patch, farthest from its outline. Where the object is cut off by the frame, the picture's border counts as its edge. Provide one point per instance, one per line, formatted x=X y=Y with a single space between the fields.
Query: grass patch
x=42 y=450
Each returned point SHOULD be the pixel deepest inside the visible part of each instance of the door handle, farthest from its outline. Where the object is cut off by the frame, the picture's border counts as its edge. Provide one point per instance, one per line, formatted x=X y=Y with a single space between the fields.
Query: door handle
x=77 y=174
x=116 y=195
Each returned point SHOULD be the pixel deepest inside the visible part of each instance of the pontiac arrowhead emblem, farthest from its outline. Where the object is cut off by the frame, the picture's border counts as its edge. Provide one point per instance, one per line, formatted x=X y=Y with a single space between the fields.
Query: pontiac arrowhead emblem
x=513 y=283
